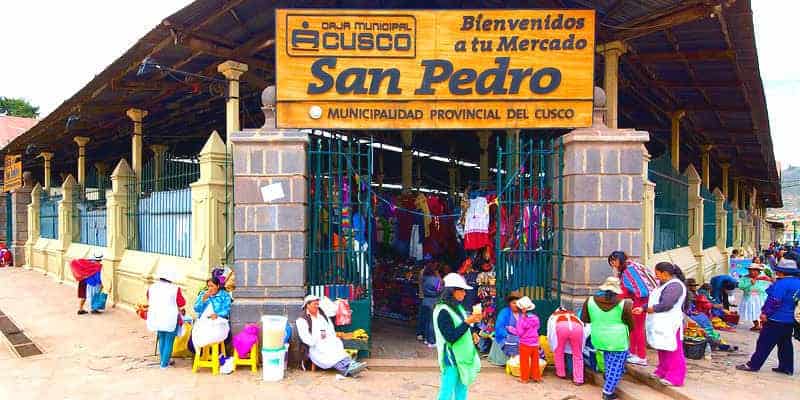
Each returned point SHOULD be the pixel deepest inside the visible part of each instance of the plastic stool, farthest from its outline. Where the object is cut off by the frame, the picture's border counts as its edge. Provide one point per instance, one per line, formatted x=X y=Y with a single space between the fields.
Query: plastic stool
x=208 y=357
x=252 y=361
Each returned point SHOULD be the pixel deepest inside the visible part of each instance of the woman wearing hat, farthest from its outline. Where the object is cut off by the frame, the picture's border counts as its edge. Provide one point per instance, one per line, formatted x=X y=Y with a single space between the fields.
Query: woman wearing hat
x=165 y=306
x=612 y=320
x=324 y=345
x=754 y=293
x=778 y=319
x=458 y=358
x=505 y=344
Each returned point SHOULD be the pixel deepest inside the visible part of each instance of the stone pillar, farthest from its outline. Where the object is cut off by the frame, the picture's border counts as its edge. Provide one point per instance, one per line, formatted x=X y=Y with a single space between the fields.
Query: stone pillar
x=102 y=170
x=722 y=228
x=159 y=152
x=67 y=232
x=33 y=225
x=137 y=116
x=706 y=160
x=483 y=137
x=675 y=139
x=648 y=213
x=117 y=222
x=232 y=71
x=20 y=199
x=407 y=161
x=48 y=171
x=208 y=207
x=725 y=166
x=611 y=52
x=737 y=223
x=270 y=237
x=601 y=188
x=81 y=141
x=696 y=220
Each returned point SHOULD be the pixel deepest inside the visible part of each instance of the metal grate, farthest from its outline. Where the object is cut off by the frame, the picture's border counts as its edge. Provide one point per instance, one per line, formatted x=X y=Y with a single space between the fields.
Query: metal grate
x=671 y=205
x=48 y=215
x=709 y=218
x=729 y=225
x=19 y=342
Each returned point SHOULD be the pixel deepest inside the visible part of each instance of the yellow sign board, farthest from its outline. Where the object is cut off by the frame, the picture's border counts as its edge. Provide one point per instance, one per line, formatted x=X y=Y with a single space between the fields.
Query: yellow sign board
x=12 y=177
x=468 y=69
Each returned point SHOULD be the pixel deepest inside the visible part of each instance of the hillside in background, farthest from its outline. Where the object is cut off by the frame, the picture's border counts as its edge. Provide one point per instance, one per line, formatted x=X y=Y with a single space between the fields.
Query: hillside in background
x=790 y=180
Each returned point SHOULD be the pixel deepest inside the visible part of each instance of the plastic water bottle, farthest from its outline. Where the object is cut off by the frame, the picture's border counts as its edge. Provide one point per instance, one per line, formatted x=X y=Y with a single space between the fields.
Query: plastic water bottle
x=708 y=351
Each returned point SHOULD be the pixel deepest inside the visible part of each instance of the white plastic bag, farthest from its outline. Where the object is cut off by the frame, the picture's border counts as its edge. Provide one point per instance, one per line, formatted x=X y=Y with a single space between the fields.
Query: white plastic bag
x=206 y=330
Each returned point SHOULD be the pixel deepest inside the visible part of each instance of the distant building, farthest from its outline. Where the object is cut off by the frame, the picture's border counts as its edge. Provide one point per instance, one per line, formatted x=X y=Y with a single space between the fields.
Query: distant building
x=11 y=127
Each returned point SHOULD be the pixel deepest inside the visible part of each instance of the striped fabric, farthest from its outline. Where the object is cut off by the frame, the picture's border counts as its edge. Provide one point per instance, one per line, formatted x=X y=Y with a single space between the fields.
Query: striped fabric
x=638 y=282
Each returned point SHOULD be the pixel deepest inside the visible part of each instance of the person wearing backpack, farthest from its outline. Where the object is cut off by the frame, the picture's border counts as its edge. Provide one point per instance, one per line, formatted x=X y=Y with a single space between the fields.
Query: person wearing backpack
x=778 y=319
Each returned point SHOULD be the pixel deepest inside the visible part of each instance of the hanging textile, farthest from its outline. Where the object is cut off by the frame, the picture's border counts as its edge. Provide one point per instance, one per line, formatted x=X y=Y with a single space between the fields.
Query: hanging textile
x=476 y=224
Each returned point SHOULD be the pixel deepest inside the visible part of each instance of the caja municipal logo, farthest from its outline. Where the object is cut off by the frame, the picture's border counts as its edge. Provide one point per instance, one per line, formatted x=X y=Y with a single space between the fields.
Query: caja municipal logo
x=387 y=36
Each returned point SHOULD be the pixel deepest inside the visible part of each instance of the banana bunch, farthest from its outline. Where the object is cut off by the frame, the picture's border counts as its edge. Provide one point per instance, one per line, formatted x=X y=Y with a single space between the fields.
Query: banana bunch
x=360 y=334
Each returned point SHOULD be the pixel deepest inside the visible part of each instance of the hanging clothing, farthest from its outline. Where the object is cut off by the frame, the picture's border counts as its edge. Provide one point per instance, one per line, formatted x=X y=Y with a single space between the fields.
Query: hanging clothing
x=422 y=206
x=476 y=224
x=415 y=246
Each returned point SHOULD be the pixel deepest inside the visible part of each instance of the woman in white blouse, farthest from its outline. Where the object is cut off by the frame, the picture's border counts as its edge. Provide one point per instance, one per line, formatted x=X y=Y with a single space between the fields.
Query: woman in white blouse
x=325 y=347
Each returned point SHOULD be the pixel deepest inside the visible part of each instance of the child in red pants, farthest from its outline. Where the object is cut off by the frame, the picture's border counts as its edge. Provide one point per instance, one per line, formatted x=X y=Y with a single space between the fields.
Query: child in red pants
x=527 y=330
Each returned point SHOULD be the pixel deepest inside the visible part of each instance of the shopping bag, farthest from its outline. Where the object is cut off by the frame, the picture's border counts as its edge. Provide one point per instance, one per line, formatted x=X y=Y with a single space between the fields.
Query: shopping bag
x=344 y=315
x=99 y=301
x=180 y=347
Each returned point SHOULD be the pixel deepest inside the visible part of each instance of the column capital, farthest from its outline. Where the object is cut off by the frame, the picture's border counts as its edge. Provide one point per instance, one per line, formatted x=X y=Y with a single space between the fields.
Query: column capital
x=46 y=155
x=159 y=149
x=100 y=166
x=677 y=115
x=707 y=147
x=136 y=114
x=232 y=69
x=407 y=137
x=81 y=140
x=617 y=46
x=724 y=165
x=484 y=137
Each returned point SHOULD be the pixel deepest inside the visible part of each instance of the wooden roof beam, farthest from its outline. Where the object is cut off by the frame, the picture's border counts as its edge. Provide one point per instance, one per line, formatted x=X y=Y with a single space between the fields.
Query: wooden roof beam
x=687 y=84
x=675 y=16
x=702 y=55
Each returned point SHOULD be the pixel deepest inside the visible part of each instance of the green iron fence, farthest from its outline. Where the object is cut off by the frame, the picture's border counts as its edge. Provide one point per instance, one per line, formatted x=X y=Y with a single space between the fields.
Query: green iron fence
x=529 y=255
x=48 y=215
x=709 y=218
x=339 y=188
x=671 y=205
x=9 y=221
x=160 y=213
x=90 y=209
x=729 y=225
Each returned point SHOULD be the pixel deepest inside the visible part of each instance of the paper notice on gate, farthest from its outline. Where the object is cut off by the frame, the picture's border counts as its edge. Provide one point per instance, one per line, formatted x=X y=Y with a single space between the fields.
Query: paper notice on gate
x=272 y=192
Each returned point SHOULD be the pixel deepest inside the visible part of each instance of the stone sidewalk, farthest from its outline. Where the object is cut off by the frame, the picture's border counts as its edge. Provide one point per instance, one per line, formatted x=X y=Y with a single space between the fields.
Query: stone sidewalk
x=110 y=356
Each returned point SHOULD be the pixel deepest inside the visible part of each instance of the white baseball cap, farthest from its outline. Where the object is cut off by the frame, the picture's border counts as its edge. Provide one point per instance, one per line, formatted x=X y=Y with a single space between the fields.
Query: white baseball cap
x=454 y=280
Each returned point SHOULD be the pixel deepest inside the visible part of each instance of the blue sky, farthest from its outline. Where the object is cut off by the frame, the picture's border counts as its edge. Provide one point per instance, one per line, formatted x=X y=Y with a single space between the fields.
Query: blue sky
x=62 y=44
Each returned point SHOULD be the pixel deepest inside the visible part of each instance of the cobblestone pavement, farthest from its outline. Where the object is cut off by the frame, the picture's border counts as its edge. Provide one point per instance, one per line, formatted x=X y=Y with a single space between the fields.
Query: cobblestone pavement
x=110 y=357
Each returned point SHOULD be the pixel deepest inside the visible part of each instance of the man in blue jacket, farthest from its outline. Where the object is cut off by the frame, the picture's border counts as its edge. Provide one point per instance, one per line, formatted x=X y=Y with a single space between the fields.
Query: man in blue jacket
x=778 y=318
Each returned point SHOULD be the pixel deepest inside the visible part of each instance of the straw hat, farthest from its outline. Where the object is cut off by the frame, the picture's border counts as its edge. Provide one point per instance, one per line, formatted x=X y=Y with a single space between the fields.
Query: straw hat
x=515 y=295
x=759 y=267
x=611 y=284
x=525 y=304
x=788 y=267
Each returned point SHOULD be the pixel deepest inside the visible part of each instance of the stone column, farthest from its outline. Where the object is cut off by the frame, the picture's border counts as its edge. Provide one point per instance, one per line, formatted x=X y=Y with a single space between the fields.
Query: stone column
x=81 y=141
x=602 y=196
x=101 y=169
x=675 y=139
x=208 y=207
x=117 y=222
x=648 y=213
x=232 y=71
x=67 y=232
x=725 y=166
x=33 y=225
x=270 y=237
x=737 y=223
x=722 y=227
x=159 y=152
x=706 y=160
x=483 y=137
x=20 y=199
x=696 y=220
x=406 y=161
x=611 y=52
x=137 y=116
x=47 y=157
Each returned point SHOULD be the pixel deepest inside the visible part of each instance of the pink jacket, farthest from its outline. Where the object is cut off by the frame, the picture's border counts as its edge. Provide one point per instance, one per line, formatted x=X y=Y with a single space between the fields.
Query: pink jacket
x=527 y=330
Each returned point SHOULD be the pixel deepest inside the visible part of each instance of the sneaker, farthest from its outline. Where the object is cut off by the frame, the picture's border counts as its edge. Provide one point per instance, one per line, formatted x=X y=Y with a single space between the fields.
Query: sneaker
x=431 y=345
x=780 y=371
x=637 y=361
x=420 y=338
x=612 y=396
x=355 y=369
x=745 y=367
x=665 y=382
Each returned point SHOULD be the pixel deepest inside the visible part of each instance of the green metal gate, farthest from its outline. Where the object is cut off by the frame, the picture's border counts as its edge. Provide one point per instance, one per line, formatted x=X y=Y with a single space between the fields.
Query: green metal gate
x=340 y=230
x=528 y=248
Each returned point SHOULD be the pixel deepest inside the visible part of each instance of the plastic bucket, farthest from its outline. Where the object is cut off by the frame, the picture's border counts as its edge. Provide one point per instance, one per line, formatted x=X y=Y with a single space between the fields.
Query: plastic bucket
x=274 y=364
x=273 y=330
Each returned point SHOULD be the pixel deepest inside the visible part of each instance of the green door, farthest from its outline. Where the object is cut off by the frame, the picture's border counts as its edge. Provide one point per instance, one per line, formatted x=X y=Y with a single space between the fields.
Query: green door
x=340 y=225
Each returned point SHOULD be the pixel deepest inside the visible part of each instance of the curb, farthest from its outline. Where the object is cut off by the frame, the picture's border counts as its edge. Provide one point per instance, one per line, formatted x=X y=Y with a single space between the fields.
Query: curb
x=640 y=375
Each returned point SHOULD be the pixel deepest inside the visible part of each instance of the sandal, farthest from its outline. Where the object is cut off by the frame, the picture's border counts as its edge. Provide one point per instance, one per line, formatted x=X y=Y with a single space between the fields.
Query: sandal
x=81 y=312
x=745 y=367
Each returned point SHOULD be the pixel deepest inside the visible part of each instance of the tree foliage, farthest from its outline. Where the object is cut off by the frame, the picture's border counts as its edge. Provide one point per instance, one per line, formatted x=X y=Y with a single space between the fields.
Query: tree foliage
x=18 y=108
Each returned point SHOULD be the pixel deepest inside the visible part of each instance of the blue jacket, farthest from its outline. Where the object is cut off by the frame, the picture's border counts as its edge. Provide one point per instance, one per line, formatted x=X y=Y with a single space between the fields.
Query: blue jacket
x=504 y=319
x=717 y=284
x=781 y=297
x=221 y=302
x=430 y=290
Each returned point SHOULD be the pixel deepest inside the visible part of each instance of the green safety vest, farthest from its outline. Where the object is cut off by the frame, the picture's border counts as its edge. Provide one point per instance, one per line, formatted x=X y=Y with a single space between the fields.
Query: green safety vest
x=609 y=331
x=467 y=360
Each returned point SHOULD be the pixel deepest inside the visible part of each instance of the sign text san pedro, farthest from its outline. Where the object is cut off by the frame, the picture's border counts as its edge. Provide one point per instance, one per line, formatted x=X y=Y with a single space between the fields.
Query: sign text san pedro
x=434 y=69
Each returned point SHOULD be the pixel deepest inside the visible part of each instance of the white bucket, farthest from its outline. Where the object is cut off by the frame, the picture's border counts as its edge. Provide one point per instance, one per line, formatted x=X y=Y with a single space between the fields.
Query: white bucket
x=273 y=330
x=274 y=361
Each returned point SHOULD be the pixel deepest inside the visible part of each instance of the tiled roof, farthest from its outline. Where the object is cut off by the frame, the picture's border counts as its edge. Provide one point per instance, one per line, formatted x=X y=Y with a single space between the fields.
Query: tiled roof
x=11 y=127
